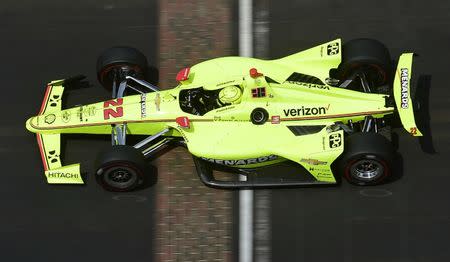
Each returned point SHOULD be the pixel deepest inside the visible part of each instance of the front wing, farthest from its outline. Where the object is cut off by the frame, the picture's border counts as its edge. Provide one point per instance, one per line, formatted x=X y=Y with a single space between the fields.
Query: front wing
x=50 y=144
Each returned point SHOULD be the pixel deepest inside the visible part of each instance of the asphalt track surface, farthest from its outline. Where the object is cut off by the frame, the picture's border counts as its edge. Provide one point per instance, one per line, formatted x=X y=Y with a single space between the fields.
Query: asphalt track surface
x=41 y=41
x=405 y=220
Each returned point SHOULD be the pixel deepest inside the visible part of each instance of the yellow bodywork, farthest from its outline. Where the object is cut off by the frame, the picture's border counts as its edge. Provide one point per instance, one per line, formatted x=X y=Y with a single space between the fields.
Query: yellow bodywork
x=225 y=134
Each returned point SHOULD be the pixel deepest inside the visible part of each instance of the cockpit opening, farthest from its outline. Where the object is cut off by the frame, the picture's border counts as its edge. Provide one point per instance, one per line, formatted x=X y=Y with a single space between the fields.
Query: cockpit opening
x=199 y=101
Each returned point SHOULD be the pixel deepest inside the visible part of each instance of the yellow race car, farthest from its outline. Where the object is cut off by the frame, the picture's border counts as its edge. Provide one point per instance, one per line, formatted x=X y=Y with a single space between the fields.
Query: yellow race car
x=326 y=109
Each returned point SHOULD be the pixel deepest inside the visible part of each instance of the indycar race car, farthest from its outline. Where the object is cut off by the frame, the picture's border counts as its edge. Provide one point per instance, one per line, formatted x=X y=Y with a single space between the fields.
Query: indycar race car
x=327 y=110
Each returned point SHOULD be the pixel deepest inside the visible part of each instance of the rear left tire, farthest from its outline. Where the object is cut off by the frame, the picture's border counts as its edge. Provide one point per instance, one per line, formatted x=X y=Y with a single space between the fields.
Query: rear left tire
x=370 y=57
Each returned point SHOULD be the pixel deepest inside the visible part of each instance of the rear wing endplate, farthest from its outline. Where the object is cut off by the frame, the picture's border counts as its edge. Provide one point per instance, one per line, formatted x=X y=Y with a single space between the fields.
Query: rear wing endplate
x=402 y=94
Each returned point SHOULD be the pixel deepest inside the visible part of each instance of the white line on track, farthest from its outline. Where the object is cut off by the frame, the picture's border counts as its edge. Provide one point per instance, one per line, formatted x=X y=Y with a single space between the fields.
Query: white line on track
x=245 y=196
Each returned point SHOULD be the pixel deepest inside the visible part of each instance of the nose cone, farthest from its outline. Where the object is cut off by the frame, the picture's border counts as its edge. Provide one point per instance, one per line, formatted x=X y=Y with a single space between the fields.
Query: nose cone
x=31 y=122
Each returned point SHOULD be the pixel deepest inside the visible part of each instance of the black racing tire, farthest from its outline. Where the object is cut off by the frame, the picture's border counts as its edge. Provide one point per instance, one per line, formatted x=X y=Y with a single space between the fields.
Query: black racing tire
x=368 y=55
x=368 y=159
x=118 y=62
x=121 y=168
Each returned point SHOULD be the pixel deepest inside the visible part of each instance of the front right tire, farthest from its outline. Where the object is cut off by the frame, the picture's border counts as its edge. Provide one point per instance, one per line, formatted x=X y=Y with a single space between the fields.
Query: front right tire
x=115 y=63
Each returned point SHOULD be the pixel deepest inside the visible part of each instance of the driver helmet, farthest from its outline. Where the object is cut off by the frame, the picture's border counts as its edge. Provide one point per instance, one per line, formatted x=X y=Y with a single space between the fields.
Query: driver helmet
x=230 y=95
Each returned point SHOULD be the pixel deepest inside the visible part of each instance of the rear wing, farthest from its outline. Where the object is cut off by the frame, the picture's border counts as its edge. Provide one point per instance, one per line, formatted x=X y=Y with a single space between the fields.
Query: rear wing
x=402 y=94
x=50 y=144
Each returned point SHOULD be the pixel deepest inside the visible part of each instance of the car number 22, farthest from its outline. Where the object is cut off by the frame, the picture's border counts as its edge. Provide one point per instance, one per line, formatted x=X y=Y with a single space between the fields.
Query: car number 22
x=113 y=108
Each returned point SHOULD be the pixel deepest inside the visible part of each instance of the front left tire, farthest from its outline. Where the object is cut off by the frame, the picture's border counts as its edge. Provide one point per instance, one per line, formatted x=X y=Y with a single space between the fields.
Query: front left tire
x=122 y=168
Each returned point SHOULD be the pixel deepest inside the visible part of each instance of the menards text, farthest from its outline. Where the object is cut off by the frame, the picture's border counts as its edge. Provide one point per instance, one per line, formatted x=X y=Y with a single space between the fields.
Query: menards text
x=242 y=162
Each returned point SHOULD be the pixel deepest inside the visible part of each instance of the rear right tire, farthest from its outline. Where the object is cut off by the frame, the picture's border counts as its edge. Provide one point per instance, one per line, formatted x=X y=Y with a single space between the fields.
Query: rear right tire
x=368 y=159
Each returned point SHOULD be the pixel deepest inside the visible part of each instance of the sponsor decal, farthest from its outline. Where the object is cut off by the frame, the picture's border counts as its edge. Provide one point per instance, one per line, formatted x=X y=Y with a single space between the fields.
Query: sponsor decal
x=333 y=48
x=319 y=169
x=157 y=101
x=323 y=175
x=404 y=82
x=313 y=162
x=143 y=106
x=306 y=111
x=275 y=120
x=52 y=156
x=231 y=119
x=49 y=118
x=335 y=140
x=309 y=85
x=224 y=108
x=90 y=111
x=413 y=131
x=58 y=174
x=225 y=83
x=258 y=92
x=242 y=162
x=116 y=111
x=80 y=113
x=54 y=101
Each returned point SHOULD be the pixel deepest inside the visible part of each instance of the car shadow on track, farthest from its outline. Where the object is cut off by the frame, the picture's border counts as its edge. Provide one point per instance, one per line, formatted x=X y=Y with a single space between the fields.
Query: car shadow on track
x=422 y=106
x=397 y=168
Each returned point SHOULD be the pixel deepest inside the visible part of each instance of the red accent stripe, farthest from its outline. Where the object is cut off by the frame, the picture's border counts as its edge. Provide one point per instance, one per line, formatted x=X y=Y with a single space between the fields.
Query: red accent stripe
x=112 y=123
x=206 y=120
x=41 y=150
x=44 y=102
